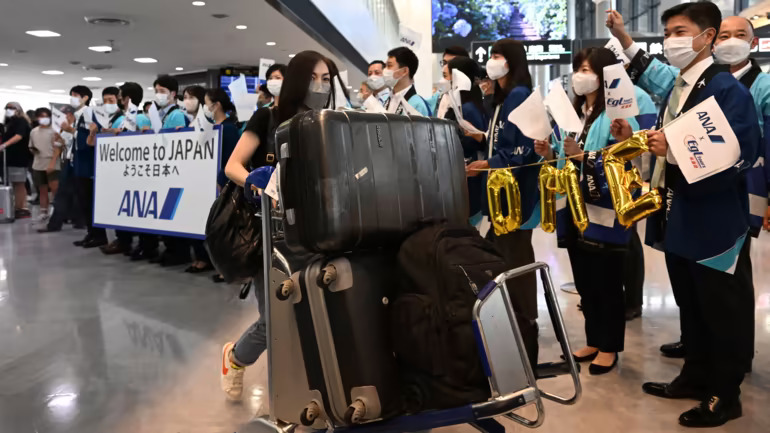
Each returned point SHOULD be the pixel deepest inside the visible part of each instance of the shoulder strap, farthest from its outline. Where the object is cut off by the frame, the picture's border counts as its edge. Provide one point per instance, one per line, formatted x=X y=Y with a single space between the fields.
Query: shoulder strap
x=270 y=145
x=115 y=117
x=171 y=110
x=749 y=77
x=703 y=81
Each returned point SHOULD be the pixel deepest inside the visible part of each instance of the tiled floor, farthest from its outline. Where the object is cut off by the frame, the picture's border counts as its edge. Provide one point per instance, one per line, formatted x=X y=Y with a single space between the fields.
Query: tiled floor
x=96 y=344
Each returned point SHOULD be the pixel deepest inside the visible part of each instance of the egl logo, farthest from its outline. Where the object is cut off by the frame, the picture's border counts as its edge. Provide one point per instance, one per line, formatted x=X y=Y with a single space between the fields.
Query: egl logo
x=696 y=159
x=145 y=205
x=619 y=102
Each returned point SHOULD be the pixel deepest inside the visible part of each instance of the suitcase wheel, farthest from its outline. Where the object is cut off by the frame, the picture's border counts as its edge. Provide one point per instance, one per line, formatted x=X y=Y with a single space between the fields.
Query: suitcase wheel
x=284 y=291
x=327 y=276
x=355 y=413
x=309 y=414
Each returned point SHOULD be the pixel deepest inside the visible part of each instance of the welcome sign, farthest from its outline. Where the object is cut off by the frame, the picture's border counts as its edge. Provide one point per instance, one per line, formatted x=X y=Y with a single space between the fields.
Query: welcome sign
x=157 y=183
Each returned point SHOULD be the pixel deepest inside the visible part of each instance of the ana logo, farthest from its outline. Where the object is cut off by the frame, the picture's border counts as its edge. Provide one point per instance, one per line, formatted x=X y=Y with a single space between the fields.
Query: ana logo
x=612 y=84
x=619 y=102
x=143 y=204
x=697 y=156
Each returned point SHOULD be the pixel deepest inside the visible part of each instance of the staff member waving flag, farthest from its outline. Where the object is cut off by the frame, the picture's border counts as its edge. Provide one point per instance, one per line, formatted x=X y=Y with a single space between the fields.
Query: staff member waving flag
x=704 y=226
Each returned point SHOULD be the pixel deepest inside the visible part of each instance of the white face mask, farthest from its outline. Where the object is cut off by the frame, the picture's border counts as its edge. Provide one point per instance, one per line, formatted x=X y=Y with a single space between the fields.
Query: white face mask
x=208 y=113
x=444 y=85
x=389 y=78
x=679 y=52
x=75 y=102
x=274 y=86
x=732 y=51
x=161 y=99
x=375 y=82
x=10 y=113
x=191 y=105
x=45 y=121
x=584 y=83
x=496 y=68
x=110 y=108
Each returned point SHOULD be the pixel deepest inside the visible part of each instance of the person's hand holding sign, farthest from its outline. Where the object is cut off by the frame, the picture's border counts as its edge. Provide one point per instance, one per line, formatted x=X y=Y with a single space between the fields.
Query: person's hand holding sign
x=657 y=142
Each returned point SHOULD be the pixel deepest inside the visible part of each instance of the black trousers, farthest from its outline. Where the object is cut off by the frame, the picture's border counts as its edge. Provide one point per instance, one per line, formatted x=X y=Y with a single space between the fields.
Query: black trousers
x=516 y=249
x=199 y=249
x=176 y=247
x=66 y=203
x=633 y=278
x=125 y=238
x=599 y=280
x=86 y=198
x=717 y=317
x=148 y=242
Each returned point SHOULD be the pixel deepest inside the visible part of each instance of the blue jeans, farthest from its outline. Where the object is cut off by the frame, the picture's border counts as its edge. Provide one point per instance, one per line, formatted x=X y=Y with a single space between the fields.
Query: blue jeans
x=254 y=341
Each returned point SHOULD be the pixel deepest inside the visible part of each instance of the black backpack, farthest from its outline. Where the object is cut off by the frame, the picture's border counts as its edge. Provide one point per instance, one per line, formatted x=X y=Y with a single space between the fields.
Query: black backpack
x=442 y=267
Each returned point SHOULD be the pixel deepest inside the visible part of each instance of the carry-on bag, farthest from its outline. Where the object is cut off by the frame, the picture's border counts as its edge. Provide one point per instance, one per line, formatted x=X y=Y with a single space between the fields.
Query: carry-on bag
x=7 y=198
x=352 y=180
x=341 y=310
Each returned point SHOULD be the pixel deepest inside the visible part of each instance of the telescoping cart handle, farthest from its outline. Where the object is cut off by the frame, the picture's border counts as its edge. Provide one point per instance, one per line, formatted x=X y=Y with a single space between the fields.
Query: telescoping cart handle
x=495 y=295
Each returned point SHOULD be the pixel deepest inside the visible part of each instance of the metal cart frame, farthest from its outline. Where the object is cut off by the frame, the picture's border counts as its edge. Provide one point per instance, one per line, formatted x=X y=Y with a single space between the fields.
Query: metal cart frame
x=479 y=415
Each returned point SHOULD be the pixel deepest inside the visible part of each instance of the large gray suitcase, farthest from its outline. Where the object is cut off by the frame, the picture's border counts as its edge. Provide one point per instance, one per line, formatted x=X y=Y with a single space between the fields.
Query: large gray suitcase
x=338 y=318
x=352 y=181
x=7 y=197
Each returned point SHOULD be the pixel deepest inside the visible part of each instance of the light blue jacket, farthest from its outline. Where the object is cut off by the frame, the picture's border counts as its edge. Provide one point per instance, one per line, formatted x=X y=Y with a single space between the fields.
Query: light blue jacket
x=603 y=227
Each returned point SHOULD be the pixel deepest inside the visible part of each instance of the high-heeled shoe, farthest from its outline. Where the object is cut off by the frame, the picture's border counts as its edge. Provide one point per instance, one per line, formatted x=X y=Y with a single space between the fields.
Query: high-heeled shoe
x=596 y=369
x=590 y=357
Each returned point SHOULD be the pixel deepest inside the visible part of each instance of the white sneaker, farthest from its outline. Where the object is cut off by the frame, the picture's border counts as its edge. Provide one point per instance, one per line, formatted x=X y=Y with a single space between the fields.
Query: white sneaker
x=231 y=378
x=42 y=218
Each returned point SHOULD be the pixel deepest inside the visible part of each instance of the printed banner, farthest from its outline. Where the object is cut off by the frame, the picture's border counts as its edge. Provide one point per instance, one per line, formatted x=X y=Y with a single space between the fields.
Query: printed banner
x=702 y=141
x=619 y=93
x=157 y=183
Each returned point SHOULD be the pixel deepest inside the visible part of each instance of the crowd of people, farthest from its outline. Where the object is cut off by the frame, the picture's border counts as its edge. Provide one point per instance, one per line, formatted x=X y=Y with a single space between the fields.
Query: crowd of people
x=710 y=276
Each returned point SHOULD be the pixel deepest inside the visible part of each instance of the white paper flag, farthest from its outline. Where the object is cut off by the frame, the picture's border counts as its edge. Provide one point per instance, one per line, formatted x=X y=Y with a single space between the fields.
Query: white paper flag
x=201 y=123
x=373 y=105
x=155 y=120
x=88 y=116
x=129 y=120
x=531 y=118
x=619 y=93
x=245 y=102
x=264 y=65
x=614 y=45
x=460 y=81
x=702 y=141
x=57 y=118
x=558 y=104
x=102 y=118
x=409 y=38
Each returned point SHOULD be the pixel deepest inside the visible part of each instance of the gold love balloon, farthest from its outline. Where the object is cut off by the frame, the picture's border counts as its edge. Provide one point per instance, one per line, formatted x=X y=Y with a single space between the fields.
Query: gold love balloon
x=622 y=183
x=564 y=181
x=500 y=181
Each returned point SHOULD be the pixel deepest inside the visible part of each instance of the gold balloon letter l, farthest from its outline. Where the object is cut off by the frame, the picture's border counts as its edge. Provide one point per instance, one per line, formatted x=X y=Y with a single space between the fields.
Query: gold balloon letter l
x=499 y=181
x=622 y=183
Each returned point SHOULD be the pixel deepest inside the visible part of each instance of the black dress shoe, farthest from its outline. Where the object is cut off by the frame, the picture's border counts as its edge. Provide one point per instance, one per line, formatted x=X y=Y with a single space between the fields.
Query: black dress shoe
x=633 y=313
x=711 y=413
x=82 y=242
x=95 y=243
x=674 y=390
x=597 y=370
x=140 y=254
x=158 y=259
x=673 y=350
x=590 y=357
x=47 y=230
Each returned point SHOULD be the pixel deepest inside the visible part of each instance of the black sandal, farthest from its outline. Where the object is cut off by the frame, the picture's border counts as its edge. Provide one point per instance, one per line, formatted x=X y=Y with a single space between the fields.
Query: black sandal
x=192 y=269
x=218 y=278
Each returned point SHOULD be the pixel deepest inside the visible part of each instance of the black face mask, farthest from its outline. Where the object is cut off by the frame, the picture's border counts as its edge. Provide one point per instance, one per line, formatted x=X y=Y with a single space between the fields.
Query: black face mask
x=121 y=107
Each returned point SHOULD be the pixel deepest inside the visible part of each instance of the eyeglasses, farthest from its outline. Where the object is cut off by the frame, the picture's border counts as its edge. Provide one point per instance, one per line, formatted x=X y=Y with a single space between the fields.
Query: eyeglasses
x=442 y=63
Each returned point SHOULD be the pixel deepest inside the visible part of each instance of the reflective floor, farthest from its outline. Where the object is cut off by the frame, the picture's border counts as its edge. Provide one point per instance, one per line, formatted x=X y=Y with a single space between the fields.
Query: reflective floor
x=96 y=344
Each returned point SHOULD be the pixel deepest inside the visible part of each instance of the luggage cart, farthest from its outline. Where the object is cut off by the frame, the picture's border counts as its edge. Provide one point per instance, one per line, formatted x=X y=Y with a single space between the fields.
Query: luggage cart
x=512 y=380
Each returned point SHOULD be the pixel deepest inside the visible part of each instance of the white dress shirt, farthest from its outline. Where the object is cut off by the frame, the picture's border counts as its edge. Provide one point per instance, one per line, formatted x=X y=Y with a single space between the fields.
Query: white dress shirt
x=741 y=72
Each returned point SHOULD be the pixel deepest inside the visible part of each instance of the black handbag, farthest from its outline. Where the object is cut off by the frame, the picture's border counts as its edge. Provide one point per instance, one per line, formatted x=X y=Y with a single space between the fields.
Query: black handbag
x=234 y=235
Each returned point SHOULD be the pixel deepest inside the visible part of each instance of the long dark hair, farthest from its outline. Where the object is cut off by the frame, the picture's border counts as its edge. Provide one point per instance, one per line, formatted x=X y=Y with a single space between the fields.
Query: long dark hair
x=335 y=72
x=296 y=83
x=219 y=95
x=597 y=58
x=470 y=68
x=518 y=70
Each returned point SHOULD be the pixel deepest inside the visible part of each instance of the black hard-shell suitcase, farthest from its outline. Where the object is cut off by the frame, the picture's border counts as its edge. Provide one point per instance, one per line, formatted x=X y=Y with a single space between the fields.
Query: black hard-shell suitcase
x=341 y=309
x=353 y=180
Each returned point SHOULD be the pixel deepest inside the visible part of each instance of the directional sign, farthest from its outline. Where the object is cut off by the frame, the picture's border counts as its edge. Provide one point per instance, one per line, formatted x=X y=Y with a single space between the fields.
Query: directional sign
x=538 y=52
